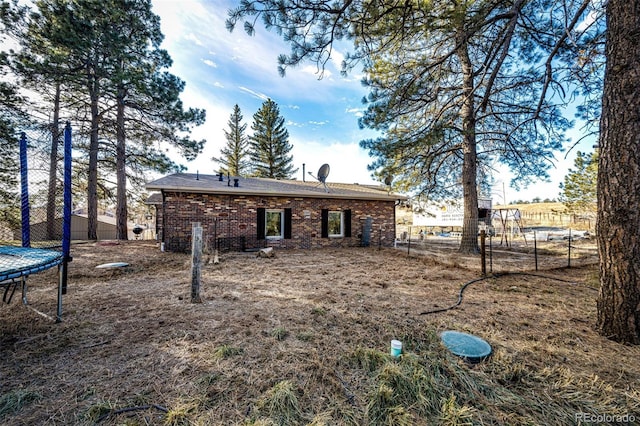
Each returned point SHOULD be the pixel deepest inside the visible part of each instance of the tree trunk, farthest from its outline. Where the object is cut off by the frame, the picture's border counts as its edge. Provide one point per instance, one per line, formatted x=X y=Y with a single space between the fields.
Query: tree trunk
x=92 y=178
x=469 y=241
x=617 y=229
x=121 y=173
x=53 y=166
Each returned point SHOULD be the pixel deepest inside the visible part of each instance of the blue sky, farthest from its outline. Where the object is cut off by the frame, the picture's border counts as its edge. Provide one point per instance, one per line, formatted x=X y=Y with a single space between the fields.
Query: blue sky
x=222 y=68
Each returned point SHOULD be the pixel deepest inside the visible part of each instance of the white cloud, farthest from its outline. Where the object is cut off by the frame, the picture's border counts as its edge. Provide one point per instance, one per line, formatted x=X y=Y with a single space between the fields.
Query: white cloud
x=192 y=37
x=210 y=63
x=253 y=93
x=316 y=72
x=358 y=112
x=337 y=58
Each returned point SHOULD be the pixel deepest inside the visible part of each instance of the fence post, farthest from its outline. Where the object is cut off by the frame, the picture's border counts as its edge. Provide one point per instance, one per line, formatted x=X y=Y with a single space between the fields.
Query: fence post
x=483 y=253
x=569 y=251
x=196 y=261
x=535 y=248
x=490 y=253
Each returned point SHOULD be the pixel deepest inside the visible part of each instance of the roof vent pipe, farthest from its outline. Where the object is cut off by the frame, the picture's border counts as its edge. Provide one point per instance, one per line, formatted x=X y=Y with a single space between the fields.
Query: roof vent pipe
x=303 y=173
x=236 y=182
x=220 y=178
x=197 y=175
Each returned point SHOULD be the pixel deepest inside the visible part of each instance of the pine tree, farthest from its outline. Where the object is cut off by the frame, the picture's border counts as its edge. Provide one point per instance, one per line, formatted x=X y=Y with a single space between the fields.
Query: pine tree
x=269 y=145
x=11 y=116
x=144 y=115
x=617 y=228
x=579 y=189
x=454 y=86
x=106 y=56
x=234 y=153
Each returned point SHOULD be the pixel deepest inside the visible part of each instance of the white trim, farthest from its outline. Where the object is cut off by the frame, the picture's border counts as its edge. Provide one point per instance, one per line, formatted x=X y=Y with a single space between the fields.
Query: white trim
x=266 y=224
x=341 y=234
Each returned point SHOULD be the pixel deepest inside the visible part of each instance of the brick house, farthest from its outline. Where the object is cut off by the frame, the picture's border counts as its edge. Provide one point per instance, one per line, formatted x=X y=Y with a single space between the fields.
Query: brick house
x=250 y=213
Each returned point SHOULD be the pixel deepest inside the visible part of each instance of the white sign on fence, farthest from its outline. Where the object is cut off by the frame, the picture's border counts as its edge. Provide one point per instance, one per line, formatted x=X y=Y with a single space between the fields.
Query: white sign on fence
x=444 y=214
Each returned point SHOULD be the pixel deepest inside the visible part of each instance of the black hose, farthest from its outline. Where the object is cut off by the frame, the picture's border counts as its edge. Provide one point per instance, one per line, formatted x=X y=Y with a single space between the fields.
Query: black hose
x=496 y=275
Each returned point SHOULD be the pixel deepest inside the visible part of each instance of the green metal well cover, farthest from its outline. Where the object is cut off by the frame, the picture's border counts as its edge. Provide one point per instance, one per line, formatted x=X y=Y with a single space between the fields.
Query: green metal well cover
x=467 y=346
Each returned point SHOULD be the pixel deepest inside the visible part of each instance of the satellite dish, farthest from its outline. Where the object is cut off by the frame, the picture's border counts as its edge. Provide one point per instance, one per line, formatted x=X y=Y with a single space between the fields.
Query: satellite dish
x=323 y=172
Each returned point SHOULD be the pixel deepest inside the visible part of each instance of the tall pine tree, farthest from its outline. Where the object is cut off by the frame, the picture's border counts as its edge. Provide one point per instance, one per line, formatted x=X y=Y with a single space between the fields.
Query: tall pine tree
x=579 y=189
x=144 y=115
x=269 y=145
x=11 y=117
x=105 y=56
x=454 y=86
x=617 y=229
x=234 y=154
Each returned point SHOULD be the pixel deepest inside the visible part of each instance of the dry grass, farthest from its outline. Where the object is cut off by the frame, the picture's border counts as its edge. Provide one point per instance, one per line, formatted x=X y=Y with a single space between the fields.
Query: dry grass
x=303 y=338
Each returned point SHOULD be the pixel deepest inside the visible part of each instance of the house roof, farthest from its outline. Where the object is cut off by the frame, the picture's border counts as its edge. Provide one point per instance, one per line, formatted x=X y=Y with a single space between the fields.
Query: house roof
x=154 y=199
x=211 y=184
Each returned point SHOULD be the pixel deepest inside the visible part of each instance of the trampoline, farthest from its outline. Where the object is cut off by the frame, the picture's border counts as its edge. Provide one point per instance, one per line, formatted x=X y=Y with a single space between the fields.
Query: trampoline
x=17 y=262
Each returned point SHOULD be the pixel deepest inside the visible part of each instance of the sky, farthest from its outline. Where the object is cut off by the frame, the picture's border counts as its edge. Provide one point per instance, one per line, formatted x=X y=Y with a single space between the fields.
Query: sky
x=222 y=68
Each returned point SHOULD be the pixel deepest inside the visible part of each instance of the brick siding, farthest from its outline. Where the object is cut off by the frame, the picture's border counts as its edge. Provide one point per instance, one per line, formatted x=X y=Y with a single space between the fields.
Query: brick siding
x=234 y=218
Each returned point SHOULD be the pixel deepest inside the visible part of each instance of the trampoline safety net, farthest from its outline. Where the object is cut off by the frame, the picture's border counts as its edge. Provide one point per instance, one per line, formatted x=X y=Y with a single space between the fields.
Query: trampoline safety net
x=35 y=226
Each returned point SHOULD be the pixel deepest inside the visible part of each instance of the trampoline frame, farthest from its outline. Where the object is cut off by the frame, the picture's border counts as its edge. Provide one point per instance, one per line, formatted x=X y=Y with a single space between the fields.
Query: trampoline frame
x=30 y=260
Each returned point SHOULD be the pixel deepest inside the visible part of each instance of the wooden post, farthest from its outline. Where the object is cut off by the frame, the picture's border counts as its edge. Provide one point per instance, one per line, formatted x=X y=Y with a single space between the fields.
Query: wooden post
x=196 y=261
x=216 y=259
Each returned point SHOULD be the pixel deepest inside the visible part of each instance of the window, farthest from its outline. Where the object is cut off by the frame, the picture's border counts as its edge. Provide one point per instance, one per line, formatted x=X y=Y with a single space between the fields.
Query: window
x=274 y=224
x=336 y=223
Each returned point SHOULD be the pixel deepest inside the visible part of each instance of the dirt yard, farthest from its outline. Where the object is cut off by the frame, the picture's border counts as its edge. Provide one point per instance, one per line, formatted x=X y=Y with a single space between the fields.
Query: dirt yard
x=303 y=338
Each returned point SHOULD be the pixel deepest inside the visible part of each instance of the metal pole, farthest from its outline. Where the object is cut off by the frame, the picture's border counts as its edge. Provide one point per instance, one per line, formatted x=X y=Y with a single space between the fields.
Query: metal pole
x=490 y=254
x=535 y=248
x=63 y=269
x=569 y=251
x=24 y=186
x=483 y=253
x=409 y=242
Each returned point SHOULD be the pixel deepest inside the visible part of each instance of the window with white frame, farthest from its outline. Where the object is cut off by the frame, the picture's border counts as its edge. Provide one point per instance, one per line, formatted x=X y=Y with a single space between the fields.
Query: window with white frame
x=336 y=224
x=274 y=224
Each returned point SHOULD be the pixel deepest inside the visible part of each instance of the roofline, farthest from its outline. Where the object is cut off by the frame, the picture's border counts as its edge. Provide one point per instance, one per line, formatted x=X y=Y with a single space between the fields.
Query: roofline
x=243 y=191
